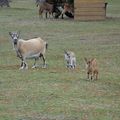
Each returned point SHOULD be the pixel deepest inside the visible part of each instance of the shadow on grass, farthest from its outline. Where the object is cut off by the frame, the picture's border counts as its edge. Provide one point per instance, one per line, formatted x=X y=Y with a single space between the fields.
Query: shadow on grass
x=112 y=18
x=20 y=9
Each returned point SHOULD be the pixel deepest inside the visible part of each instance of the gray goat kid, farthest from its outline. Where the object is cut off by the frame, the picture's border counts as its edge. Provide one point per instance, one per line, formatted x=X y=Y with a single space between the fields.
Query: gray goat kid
x=70 y=59
x=29 y=49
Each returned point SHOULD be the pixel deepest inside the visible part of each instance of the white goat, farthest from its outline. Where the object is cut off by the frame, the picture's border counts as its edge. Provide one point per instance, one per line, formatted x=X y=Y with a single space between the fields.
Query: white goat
x=26 y=49
x=70 y=59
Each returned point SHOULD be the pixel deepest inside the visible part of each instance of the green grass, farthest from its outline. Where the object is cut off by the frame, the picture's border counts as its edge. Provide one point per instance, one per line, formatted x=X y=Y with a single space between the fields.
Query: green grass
x=57 y=93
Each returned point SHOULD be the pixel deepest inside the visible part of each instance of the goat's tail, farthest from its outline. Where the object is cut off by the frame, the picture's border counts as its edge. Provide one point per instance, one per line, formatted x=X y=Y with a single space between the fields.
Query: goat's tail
x=46 y=45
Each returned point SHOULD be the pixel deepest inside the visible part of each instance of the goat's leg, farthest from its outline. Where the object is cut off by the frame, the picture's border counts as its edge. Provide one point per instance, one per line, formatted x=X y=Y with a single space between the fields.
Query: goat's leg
x=91 y=77
x=62 y=14
x=21 y=64
x=46 y=14
x=67 y=64
x=40 y=13
x=73 y=63
x=88 y=75
x=24 y=64
x=34 y=65
x=44 y=61
x=96 y=76
x=70 y=64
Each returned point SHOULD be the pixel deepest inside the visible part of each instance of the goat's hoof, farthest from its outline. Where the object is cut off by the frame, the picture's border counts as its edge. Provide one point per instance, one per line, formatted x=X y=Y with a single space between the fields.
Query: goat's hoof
x=44 y=66
x=26 y=68
x=33 y=67
x=21 y=68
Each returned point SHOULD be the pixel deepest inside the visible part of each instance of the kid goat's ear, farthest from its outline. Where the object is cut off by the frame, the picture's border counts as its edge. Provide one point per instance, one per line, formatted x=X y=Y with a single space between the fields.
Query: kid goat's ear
x=10 y=33
x=65 y=51
x=92 y=59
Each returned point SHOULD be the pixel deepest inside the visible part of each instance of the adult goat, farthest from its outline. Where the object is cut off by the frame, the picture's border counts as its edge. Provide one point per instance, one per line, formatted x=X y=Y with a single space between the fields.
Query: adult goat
x=26 y=49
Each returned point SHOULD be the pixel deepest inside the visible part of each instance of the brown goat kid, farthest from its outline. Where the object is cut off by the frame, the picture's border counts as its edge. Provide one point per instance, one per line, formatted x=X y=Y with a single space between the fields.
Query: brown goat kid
x=92 y=68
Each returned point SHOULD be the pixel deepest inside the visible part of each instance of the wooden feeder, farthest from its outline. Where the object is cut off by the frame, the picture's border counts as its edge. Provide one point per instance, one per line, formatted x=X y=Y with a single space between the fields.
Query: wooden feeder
x=86 y=10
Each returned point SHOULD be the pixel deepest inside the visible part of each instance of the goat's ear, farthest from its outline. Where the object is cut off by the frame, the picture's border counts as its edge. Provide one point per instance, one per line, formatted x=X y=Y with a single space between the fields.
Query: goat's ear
x=18 y=32
x=65 y=51
x=85 y=59
x=92 y=59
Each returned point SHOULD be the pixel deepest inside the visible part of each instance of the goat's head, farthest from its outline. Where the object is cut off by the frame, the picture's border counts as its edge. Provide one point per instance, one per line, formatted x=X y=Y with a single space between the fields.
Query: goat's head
x=67 y=54
x=88 y=62
x=14 y=36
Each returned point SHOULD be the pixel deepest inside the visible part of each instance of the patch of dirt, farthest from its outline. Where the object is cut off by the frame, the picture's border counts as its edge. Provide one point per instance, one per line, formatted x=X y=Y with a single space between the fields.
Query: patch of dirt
x=3 y=40
x=9 y=67
x=5 y=101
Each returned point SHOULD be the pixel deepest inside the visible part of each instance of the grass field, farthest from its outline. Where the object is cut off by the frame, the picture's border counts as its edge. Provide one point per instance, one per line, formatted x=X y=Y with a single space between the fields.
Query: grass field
x=57 y=93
